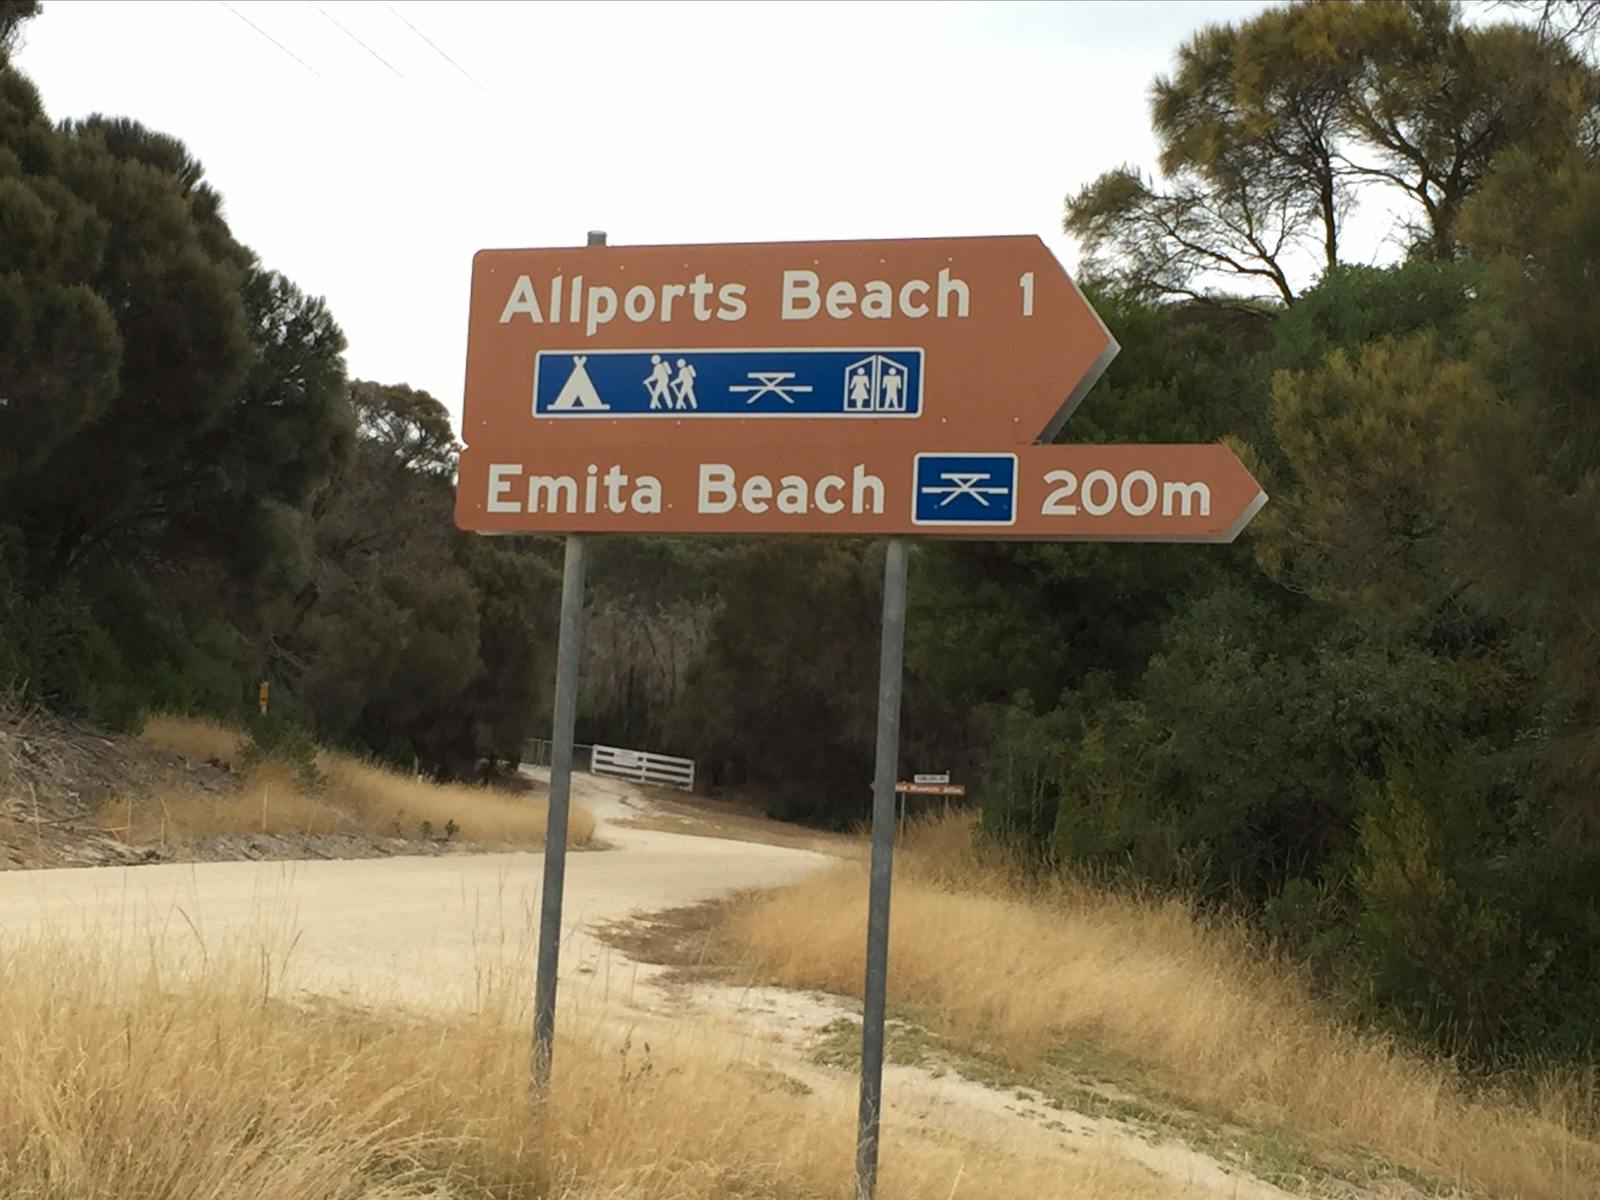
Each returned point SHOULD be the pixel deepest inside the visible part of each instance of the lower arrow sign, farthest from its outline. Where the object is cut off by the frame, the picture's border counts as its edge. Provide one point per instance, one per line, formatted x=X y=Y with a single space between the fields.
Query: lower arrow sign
x=1159 y=493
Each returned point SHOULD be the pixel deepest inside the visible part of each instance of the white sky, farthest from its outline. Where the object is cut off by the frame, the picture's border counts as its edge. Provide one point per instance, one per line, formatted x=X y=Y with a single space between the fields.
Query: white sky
x=655 y=122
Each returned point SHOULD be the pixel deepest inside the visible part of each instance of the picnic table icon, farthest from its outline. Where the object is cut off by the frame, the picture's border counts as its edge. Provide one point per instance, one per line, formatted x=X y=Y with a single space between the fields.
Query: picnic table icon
x=966 y=483
x=770 y=383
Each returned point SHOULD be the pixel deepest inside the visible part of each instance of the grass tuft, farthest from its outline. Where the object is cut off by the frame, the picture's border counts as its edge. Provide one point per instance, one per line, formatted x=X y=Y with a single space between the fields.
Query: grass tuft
x=1012 y=968
x=150 y=1081
x=193 y=737
x=354 y=797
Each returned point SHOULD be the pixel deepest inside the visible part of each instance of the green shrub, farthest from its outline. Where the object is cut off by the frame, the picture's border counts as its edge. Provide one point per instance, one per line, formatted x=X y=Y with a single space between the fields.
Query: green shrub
x=54 y=651
x=272 y=737
x=1457 y=934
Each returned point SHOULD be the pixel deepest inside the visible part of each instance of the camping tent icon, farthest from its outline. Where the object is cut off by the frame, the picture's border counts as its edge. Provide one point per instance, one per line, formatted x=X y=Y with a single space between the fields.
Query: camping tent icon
x=578 y=394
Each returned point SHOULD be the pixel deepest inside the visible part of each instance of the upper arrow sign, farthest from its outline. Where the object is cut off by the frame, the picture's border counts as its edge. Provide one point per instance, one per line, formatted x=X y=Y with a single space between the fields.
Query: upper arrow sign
x=925 y=342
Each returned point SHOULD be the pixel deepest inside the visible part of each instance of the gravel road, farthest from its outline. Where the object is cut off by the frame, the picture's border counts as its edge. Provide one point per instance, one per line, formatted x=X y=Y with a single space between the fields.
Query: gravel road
x=433 y=932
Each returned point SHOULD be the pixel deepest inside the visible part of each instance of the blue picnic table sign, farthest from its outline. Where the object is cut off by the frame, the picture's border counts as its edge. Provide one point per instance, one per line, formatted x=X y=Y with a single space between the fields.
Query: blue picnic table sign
x=964 y=489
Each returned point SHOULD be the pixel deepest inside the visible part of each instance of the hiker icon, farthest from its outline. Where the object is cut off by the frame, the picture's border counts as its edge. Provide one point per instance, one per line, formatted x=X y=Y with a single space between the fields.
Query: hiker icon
x=683 y=385
x=658 y=382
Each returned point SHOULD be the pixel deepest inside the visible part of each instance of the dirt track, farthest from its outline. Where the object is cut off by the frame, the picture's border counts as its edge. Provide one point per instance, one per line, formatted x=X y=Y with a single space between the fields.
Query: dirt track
x=425 y=931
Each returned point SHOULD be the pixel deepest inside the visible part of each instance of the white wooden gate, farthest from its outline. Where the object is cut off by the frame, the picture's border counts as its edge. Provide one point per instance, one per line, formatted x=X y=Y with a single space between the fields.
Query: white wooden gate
x=641 y=766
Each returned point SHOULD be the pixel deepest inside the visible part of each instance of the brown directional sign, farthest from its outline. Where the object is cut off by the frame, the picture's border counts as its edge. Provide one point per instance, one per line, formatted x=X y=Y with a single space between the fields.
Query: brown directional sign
x=868 y=388
x=844 y=343
x=1040 y=493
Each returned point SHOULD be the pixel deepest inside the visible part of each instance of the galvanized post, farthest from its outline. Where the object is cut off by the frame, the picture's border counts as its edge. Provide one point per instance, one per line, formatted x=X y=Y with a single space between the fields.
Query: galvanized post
x=555 y=838
x=569 y=645
x=890 y=663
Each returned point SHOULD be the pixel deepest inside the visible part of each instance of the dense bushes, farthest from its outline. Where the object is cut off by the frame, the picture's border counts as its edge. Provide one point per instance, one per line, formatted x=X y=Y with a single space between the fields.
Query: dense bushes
x=194 y=498
x=1376 y=732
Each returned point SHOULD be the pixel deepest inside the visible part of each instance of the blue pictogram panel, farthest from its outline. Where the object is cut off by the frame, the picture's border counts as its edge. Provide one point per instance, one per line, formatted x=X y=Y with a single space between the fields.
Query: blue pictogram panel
x=964 y=489
x=859 y=383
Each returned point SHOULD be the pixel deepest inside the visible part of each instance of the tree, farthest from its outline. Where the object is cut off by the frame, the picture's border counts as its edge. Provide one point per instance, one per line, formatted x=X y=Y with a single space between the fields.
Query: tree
x=1249 y=127
x=166 y=409
x=408 y=638
x=1575 y=23
x=60 y=349
x=191 y=494
x=243 y=488
x=1437 y=101
x=1460 y=930
x=654 y=603
x=1529 y=508
x=1368 y=442
x=1261 y=106
x=13 y=15
x=204 y=413
x=1271 y=129
x=518 y=597
x=1167 y=243
x=1384 y=743
x=782 y=700
x=382 y=561
x=411 y=427
x=185 y=352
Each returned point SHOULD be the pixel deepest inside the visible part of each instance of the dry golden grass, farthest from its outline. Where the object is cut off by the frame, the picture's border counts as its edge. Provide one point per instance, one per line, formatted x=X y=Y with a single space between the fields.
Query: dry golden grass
x=355 y=797
x=192 y=737
x=383 y=801
x=271 y=802
x=1012 y=967
x=138 y=1083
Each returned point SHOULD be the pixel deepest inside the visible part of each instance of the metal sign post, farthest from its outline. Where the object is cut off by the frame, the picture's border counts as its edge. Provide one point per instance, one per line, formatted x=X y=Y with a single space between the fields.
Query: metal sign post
x=555 y=839
x=569 y=648
x=891 y=656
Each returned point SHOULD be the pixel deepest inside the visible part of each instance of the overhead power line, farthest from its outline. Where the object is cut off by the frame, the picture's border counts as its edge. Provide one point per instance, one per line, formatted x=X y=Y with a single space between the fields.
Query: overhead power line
x=466 y=74
x=274 y=41
x=344 y=30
